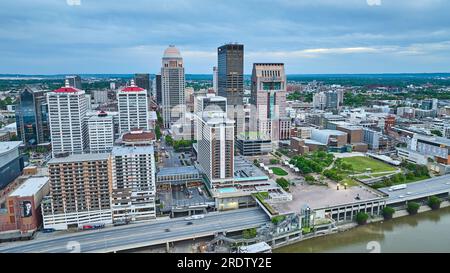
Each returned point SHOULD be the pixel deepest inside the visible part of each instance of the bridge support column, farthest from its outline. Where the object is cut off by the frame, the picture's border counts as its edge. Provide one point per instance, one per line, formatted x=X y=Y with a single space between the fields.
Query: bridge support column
x=168 y=247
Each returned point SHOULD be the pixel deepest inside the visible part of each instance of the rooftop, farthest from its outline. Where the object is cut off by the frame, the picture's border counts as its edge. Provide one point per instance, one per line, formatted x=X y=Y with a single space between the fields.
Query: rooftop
x=439 y=140
x=129 y=150
x=172 y=52
x=132 y=88
x=30 y=187
x=78 y=158
x=6 y=146
x=177 y=170
x=138 y=136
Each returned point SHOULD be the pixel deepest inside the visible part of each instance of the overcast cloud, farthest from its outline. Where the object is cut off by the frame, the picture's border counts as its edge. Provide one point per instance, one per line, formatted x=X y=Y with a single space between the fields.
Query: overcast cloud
x=309 y=36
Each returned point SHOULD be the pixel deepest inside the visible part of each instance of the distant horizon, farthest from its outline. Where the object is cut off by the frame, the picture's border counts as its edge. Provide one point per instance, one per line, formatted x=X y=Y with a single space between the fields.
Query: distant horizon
x=210 y=74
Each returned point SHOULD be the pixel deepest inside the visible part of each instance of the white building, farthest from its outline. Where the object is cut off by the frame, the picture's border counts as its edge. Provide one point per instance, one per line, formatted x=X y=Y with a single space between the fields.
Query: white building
x=67 y=109
x=133 y=179
x=100 y=96
x=133 y=108
x=172 y=86
x=101 y=133
x=215 y=147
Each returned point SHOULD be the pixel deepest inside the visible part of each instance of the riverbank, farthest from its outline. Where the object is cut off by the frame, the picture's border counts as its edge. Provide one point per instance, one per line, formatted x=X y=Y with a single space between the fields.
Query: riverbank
x=349 y=227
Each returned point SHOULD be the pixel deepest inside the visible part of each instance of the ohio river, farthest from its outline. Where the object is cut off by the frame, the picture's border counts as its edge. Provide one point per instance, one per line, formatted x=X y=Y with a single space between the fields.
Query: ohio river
x=425 y=232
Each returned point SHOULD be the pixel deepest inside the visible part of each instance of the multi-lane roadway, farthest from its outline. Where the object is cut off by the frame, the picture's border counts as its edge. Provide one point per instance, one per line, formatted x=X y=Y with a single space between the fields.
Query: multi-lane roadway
x=141 y=235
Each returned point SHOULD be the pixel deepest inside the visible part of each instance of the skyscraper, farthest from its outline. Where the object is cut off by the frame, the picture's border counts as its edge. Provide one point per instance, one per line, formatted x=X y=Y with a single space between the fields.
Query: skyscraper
x=230 y=81
x=101 y=133
x=79 y=191
x=158 y=89
x=268 y=94
x=133 y=108
x=133 y=177
x=215 y=140
x=172 y=86
x=215 y=79
x=143 y=81
x=74 y=81
x=67 y=116
x=32 y=116
x=230 y=71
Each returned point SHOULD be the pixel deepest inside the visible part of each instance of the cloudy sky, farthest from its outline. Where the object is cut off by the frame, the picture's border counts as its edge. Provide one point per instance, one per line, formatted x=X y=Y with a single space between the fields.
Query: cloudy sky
x=309 y=36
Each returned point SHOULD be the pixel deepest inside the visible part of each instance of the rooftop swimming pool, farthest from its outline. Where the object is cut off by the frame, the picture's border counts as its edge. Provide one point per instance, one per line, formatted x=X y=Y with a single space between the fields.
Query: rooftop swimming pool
x=226 y=190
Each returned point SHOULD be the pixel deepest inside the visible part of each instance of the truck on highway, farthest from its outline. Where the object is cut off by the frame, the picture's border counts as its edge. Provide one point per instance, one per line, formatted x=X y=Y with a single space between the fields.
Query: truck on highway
x=195 y=217
x=398 y=187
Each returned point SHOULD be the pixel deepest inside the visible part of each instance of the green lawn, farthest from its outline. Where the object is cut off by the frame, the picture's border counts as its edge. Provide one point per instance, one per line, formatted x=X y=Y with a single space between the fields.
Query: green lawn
x=361 y=163
x=279 y=171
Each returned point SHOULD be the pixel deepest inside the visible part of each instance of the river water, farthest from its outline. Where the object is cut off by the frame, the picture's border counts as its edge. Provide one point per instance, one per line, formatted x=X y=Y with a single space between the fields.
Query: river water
x=424 y=232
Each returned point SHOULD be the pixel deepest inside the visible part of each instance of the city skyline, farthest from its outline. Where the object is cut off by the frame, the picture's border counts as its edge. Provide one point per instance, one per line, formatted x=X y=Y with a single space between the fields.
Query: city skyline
x=310 y=37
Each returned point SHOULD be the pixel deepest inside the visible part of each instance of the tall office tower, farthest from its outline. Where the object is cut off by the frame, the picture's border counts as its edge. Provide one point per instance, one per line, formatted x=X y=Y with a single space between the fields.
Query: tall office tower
x=332 y=99
x=143 y=81
x=215 y=141
x=32 y=116
x=230 y=73
x=158 y=89
x=79 y=191
x=268 y=94
x=133 y=178
x=67 y=116
x=133 y=108
x=101 y=133
x=208 y=103
x=230 y=81
x=320 y=100
x=172 y=86
x=74 y=81
x=215 y=79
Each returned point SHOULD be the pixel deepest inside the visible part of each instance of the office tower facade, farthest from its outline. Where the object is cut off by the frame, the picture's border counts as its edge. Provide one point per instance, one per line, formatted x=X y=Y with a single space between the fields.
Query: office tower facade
x=133 y=108
x=230 y=71
x=143 y=81
x=32 y=116
x=172 y=86
x=268 y=95
x=101 y=133
x=74 y=81
x=320 y=100
x=215 y=79
x=11 y=162
x=67 y=109
x=79 y=191
x=230 y=81
x=133 y=178
x=100 y=96
x=215 y=141
x=332 y=100
x=158 y=89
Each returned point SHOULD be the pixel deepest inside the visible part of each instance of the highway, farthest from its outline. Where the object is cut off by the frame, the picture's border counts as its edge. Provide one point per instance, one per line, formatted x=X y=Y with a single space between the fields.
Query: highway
x=141 y=235
x=420 y=189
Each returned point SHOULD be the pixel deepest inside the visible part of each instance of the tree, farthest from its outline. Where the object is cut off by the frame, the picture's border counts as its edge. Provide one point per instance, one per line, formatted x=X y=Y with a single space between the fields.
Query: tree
x=436 y=133
x=158 y=132
x=274 y=161
x=310 y=178
x=283 y=183
x=413 y=208
x=169 y=140
x=388 y=212
x=249 y=233
x=434 y=202
x=361 y=218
